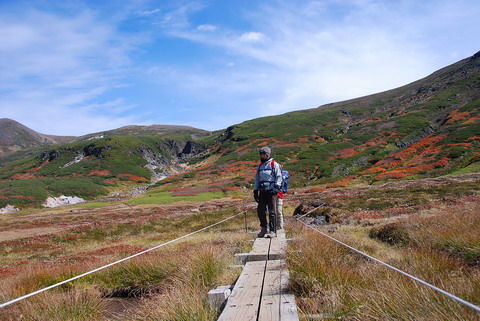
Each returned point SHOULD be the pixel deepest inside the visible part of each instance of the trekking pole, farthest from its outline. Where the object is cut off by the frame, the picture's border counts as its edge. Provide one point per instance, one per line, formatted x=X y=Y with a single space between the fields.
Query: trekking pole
x=275 y=196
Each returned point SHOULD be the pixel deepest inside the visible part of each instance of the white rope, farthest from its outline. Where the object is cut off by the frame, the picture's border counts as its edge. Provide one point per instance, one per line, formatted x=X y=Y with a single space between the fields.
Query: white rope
x=116 y=262
x=456 y=298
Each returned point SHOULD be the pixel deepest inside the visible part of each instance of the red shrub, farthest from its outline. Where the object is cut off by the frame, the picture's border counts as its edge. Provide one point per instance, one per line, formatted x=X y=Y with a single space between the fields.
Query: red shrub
x=133 y=177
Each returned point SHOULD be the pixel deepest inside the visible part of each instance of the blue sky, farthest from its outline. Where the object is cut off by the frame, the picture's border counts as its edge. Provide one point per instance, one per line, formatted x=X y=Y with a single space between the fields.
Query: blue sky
x=77 y=67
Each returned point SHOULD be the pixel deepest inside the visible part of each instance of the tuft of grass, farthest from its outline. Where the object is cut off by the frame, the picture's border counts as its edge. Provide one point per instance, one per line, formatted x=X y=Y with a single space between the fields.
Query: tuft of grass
x=75 y=304
x=140 y=277
x=206 y=268
x=391 y=233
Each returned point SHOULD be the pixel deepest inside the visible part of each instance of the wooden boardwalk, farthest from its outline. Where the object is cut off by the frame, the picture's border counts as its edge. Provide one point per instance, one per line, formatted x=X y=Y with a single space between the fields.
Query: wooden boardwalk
x=260 y=292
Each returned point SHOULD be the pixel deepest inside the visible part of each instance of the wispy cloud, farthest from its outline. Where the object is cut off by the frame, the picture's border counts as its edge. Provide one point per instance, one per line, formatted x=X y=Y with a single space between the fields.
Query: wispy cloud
x=91 y=68
x=207 y=27
x=149 y=12
x=251 y=36
x=315 y=52
x=55 y=67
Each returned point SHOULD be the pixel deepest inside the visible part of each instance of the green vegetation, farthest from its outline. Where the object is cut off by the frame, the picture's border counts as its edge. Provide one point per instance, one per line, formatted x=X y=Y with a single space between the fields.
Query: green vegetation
x=166 y=197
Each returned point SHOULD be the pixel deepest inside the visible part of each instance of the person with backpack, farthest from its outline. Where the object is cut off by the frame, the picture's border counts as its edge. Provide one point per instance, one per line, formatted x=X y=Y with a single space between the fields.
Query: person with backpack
x=281 y=194
x=267 y=185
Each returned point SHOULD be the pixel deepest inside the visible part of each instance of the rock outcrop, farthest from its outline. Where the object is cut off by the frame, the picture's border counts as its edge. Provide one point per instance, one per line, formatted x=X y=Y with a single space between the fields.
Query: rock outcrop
x=62 y=201
x=9 y=209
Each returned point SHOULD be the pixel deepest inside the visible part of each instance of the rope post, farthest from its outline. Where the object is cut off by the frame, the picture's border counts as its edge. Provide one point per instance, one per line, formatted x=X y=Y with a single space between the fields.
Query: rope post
x=246 y=227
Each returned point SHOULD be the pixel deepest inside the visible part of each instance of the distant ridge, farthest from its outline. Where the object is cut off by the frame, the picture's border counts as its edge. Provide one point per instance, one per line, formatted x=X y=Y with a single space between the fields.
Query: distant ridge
x=15 y=137
x=155 y=130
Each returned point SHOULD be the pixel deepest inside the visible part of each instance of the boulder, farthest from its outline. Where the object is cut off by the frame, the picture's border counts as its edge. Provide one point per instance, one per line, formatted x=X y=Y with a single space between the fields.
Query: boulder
x=9 y=209
x=62 y=200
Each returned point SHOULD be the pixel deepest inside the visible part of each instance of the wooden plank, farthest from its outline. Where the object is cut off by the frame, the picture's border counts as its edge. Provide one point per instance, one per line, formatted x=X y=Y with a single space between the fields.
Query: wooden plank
x=243 y=303
x=248 y=300
x=259 y=252
x=260 y=246
x=278 y=246
x=270 y=304
x=277 y=303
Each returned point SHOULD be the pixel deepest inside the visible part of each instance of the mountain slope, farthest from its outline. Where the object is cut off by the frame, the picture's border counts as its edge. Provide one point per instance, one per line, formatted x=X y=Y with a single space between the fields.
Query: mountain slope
x=427 y=128
x=15 y=136
x=95 y=164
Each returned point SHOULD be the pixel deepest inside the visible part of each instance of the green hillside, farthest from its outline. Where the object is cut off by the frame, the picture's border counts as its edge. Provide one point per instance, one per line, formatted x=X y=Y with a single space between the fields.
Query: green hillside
x=425 y=129
x=90 y=168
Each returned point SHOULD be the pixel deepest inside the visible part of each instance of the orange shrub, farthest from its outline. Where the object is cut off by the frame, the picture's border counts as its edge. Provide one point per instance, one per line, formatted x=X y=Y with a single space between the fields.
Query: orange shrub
x=315 y=190
x=373 y=170
x=441 y=163
x=456 y=115
x=102 y=172
x=471 y=120
x=341 y=183
x=391 y=175
x=22 y=176
x=348 y=152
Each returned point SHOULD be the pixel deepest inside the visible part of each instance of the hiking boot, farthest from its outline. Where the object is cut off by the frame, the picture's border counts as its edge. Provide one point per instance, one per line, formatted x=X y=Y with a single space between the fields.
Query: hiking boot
x=271 y=234
x=262 y=232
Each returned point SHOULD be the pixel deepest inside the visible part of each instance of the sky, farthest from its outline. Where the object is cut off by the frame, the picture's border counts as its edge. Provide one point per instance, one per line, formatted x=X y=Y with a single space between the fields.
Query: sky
x=77 y=67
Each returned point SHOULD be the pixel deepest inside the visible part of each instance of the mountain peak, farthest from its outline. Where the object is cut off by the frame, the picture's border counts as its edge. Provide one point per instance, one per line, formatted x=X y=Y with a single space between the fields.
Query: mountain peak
x=15 y=136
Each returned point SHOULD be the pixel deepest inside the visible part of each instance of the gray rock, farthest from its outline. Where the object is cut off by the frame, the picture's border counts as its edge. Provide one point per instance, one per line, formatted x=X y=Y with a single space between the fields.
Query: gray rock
x=9 y=209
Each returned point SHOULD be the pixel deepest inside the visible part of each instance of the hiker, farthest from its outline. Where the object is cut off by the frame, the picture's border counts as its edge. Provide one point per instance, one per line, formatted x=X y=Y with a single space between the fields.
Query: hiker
x=281 y=194
x=268 y=181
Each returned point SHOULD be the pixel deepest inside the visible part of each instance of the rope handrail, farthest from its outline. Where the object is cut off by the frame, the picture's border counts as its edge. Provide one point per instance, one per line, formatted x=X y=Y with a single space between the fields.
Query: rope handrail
x=454 y=297
x=116 y=262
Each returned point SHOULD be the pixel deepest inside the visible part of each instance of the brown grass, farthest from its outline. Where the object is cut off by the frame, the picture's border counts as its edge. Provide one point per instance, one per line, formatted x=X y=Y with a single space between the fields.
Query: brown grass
x=170 y=283
x=438 y=245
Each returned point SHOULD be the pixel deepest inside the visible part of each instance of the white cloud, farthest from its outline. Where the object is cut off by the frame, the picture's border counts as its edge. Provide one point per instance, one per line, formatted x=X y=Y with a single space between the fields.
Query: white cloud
x=55 y=67
x=312 y=53
x=207 y=27
x=149 y=12
x=252 y=36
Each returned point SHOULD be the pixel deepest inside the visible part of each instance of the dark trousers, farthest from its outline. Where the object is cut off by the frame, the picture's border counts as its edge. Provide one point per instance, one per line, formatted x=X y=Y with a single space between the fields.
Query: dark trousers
x=265 y=202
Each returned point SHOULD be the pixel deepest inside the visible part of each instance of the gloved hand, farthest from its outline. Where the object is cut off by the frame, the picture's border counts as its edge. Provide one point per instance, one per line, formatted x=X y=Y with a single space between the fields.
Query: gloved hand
x=275 y=190
x=255 y=196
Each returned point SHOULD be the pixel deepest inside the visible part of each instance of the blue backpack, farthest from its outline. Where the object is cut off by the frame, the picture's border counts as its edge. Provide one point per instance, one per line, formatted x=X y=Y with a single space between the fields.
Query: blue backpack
x=285 y=177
